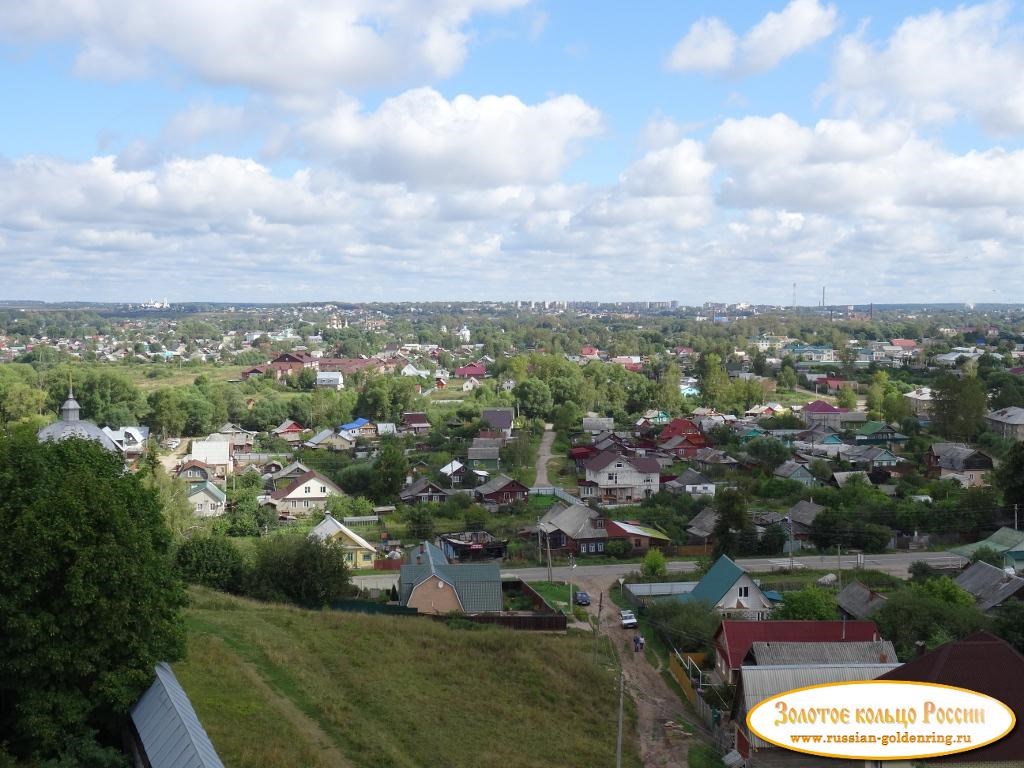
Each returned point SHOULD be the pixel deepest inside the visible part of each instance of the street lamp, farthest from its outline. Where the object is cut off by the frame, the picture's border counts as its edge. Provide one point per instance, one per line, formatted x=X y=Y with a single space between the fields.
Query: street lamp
x=622 y=579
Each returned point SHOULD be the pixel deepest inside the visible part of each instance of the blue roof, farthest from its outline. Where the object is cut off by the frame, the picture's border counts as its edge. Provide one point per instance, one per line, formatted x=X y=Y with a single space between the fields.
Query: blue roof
x=357 y=424
x=168 y=728
x=771 y=594
x=716 y=582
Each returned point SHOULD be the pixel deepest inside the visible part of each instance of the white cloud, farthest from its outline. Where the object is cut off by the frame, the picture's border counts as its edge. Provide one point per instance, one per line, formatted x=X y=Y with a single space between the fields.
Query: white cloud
x=422 y=138
x=280 y=45
x=937 y=67
x=710 y=45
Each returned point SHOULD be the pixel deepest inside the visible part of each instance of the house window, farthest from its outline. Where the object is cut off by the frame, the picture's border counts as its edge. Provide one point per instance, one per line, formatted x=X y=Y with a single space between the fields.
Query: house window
x=323 y=489
x=199 y=507
x=637 y=543
x=366 y=557
x=305 y=502
x=744 y=591
x=348 y=557
x=307 y=489
x=600 y=546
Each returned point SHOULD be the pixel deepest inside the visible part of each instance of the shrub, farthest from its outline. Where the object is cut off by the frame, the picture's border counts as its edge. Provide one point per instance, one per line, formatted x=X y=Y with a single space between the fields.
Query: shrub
x=212 y=561
x=304 y=571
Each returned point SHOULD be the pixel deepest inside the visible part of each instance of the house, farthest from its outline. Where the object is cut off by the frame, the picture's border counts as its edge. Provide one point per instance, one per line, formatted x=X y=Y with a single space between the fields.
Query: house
x=289 y=431
x=285 y=476
x=984 y=663
x=499 y=420
x=880 y=433
x=294 y=362
x=472 y=546
x=423 y=490
x=165 y=731
x=430 y=584
x=415 y=422
x=214 y=454
x=708 y=459
x=500 y=490
x=131 y=441
x=581 y=454
x=241 y=439
x=576 y=528
x=207 y=499
x=597 y=424
x=1004 y=541
x=682 y=428
x=792 y=470
x=702 y=527
x=455 y=471
x=856 y=601
x=782 y=654
x=731 y=591
x=484 y=453
x=681 y=446
x=471 y=370
x=1007 y=422
x=640 y=538
x=412 y=370
x=801 y=516
x=820 y=412
x=944 y=459
x=733 y=638
x=330 y=380
x=308 y=492
x=920 y=402
x=691 y=482
x=328 y=439
x=471 y=384
x=359 y=553
x=194 y=471
x=615 y=477
x=357 y=428
x=990 y=586
x=757 y=683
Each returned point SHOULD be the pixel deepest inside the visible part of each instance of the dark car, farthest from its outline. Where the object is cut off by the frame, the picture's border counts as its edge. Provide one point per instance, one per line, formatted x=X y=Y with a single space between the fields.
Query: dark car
x=582 y=598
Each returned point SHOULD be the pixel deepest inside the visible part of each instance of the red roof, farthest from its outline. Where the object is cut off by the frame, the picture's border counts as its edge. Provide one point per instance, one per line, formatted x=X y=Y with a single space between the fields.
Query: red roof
x=473 y=369
x=679 y=427
x=905 y=343
x=415 y=417
x=980 y=662
x=582 y=452
x=588 y=351
x=736 y=637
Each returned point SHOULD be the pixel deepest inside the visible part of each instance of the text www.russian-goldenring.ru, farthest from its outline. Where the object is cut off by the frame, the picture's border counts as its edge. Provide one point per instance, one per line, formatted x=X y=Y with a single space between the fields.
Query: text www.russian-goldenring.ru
x=884 y=740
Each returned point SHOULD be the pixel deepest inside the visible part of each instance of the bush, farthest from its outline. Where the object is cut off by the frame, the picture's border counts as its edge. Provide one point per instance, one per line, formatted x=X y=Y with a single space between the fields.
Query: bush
x=617 y=548
x=212 y=561
x=304 y=571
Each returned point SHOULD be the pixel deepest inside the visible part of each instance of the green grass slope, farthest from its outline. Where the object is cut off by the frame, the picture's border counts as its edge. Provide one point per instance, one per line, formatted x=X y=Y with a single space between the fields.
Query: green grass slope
x=279 y=686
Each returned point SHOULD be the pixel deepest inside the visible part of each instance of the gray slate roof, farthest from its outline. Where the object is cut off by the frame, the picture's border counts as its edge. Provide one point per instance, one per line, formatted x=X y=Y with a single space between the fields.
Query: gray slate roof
x=989 y=585
x=478 y=585
x=576 y=522
x=703 y=524
x=493 y=485
x=773 y=654
x=859 y=601
x=168 y=727
x=1011 y=415
x=804 y=512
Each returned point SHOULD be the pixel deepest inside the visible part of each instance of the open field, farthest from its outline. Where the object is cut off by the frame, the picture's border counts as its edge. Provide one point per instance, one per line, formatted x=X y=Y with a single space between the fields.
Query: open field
x=151 y=376
x=276 y=686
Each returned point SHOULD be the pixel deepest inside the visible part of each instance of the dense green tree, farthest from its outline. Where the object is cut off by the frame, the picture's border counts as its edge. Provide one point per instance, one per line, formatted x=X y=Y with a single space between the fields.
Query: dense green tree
x=212 y=561
x=688 y=627
x=811 y=603
x=910 y=616
x=419 y=522
x=959 y=406
x=733 y=518
x=768 y=452
x=299 y=569
x=654 y=565
x=391 y=469
x=1008 y=623
x=89 y=600
x=1009 y=476
x=534 y=398
x=847 y=398
x=786 y=379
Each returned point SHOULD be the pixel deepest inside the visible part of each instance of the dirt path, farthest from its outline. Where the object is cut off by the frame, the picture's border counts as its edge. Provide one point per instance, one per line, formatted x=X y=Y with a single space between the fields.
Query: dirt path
x=544 y=456
x=661 y=745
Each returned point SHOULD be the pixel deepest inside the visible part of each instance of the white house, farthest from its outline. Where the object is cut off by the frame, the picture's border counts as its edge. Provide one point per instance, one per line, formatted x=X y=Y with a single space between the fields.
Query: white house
x=330 y=380
x=213 y=453
x=207 y=499
x=621 y=479
x=309 y=491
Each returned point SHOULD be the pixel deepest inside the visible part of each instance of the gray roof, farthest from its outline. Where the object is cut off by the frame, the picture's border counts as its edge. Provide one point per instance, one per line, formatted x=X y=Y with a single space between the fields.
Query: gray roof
x=804 y=512
x=774 y=654
x=703 y=524
x=1011 y=415
x=859 y=601
x=989 y=585
x=170 y=731
x=576 y=522
x=952 y=455
x=498 y=418
x=478 y=585
x=496 y=483
x=70 y=424
x=790 y=468
x=760 y=683
x=691 y=477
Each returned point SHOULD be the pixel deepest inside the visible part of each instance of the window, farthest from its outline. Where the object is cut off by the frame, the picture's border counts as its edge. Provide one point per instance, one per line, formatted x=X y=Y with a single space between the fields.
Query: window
x=199 y=507
x=305 y=502
x=323 y=489
x=366 y=557
x=637 y=543
x=744 y=591
x=600 y=546
x=307 y=489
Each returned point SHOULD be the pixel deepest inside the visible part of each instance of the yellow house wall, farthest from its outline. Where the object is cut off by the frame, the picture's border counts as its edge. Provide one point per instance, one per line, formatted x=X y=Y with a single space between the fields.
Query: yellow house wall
x=427 y=597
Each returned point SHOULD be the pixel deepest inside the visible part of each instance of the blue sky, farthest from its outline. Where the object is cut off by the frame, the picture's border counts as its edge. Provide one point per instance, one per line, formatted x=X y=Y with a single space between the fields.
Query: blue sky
x=501 y=149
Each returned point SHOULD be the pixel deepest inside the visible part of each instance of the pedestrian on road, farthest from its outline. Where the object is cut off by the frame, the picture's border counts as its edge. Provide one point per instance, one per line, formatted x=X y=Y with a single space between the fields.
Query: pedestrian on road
x=636 y=643
x=641 y=642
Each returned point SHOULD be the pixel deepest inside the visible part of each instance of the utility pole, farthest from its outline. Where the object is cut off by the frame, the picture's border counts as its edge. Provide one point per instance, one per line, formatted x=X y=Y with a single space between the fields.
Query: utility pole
x=839 y=567
x=597 y=626
x=547 y=537
x=790 y=519
x=1015 y=517
x=618 y=740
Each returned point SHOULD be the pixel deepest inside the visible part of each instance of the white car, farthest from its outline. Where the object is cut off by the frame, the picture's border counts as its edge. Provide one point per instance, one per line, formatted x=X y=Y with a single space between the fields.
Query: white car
x=173 y=443
x=628 y=619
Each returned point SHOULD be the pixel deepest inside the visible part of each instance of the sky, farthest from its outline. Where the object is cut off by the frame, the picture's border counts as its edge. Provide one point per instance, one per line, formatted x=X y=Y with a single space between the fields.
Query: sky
x=415 y=150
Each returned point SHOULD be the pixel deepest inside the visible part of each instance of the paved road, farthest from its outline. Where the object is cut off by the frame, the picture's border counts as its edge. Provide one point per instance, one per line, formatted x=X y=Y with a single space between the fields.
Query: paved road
x=896 y=564
x=544 y=456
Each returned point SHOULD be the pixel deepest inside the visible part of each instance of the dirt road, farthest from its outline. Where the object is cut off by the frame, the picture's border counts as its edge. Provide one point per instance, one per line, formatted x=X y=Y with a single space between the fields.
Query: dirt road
x=544 y=456
x=662 y=743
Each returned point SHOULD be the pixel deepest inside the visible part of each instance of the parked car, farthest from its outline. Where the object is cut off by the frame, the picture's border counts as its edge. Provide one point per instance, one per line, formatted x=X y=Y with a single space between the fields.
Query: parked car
x=628 y=619
x=173 y=443
x=582 y=598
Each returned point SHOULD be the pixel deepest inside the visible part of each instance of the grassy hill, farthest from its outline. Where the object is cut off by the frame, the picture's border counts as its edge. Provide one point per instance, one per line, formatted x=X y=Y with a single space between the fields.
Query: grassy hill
x=279 y=686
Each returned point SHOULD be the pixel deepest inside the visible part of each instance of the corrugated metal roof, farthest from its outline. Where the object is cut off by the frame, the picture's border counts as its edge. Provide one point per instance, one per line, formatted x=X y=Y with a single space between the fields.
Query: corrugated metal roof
x=768 y=654
x=760 y=683
x=989 y=585
x=859 y=601
x=640 y=530
x=168 y=727
x=665 y=588
x=478 y=585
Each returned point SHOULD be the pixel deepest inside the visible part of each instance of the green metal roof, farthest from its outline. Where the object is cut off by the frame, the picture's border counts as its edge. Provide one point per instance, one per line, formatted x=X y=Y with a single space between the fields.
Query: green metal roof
x=1000 y=541
x=478 y=585
x=716 y=582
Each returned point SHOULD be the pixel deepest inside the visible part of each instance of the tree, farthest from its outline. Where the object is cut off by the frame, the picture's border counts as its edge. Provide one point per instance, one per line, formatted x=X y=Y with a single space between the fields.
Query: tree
x=391 y=468
x=419 y=522
x=769 y=452
x=786 y=378
x=212 y=561
x=987 y=555
x=714 y=381
x=811 y=603
x=847 y=398
x=299 y=569
x=1008 y=623
x=959 y=406
x=653 y=566
x=733 y=519
x=1010 y=476
x=688 y=627
x=89 y=600
x=911 y=616
x=534 y=398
